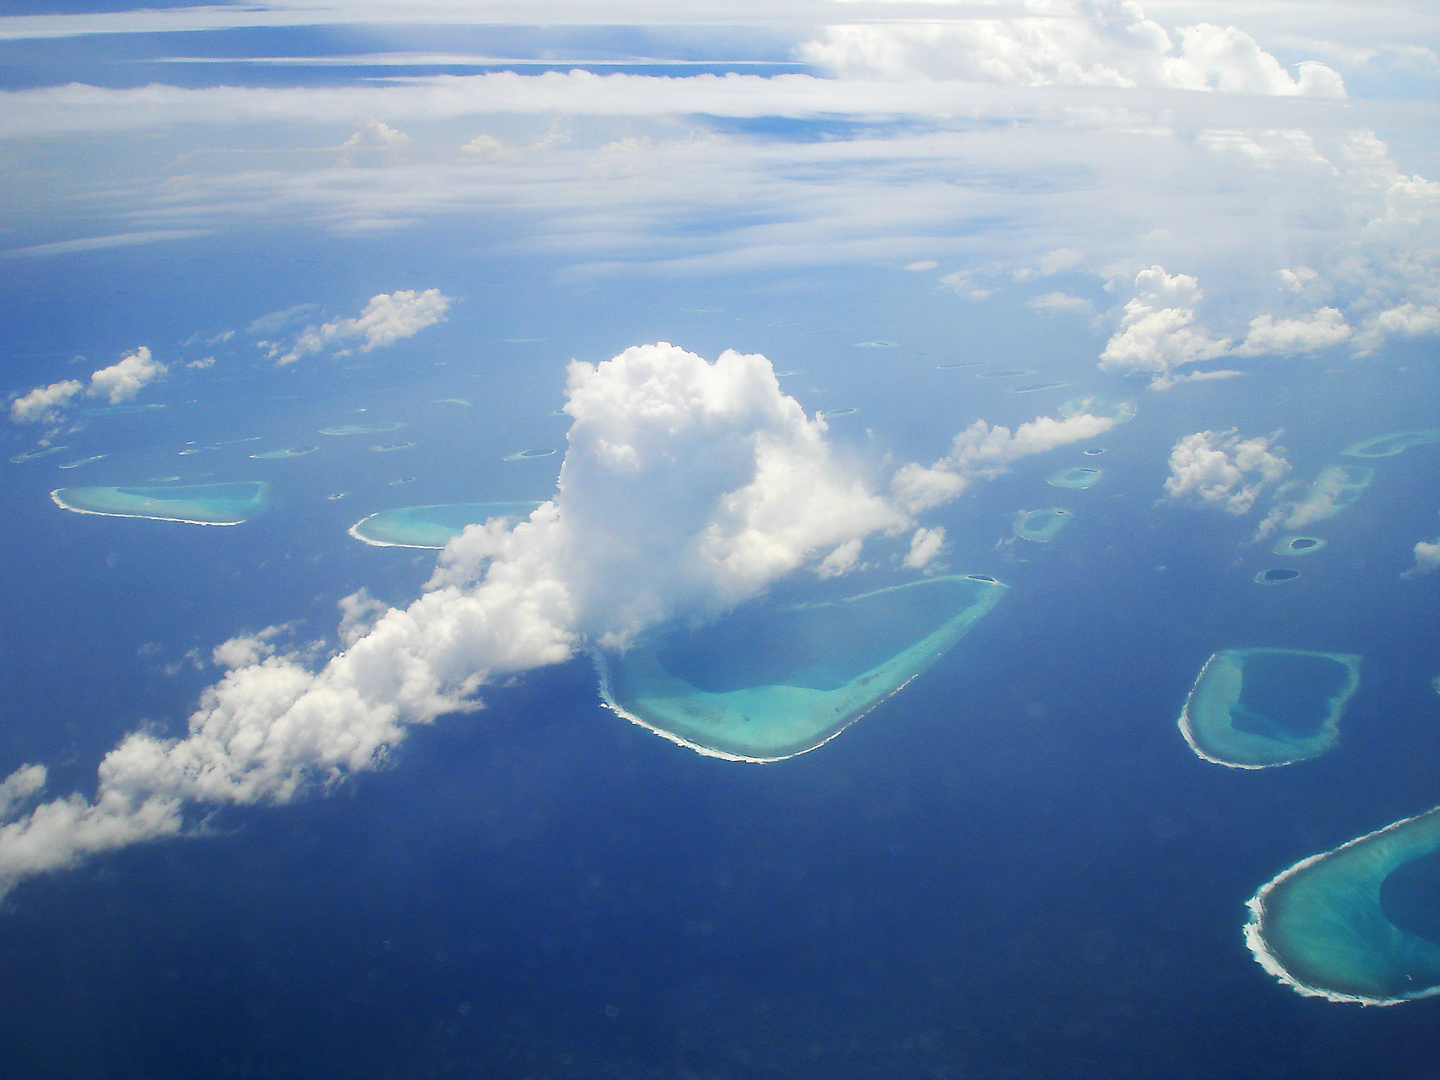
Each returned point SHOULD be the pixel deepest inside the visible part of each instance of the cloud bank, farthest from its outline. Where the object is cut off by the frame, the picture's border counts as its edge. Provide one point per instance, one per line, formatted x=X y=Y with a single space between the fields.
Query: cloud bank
x=1222 y=470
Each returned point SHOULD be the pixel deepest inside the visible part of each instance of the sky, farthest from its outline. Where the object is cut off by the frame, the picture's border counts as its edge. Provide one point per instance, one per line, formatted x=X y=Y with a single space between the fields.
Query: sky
x=1190 y=194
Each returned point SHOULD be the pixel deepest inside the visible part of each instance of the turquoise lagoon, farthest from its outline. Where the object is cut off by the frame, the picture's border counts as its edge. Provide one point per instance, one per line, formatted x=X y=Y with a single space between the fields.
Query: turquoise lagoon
x=285 y=454
x=1349 y=925
x=1392 y=444
x=431 y=526
x=193 y=504
x=763 y=684
x=1256 y=708
x=1041 y=526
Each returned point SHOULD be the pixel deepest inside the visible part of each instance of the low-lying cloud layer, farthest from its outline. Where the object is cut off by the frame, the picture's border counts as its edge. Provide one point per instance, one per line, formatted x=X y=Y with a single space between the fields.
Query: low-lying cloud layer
x=387 y=318
x=687 y=488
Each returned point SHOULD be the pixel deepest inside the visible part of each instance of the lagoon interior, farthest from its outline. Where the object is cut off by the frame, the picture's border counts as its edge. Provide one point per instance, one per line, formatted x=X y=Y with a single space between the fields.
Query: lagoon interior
x=197 y=504
x=431 y=526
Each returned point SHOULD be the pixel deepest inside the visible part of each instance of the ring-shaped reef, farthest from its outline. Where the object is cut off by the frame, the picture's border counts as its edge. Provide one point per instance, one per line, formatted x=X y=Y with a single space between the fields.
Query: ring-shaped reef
x=1258 y=708
x=431 y=526
x=1041 y=526
x=527 y=455
x=1298 y=545
x=763 y=684
x=1095 y=405
x=1078 y=478
x=1391 y=444
x=1032 y=388
x=191 y=504
x=1006 y=373
x=1327 y=927
x=1275 y=575
x=362 y=429
x=285 y=454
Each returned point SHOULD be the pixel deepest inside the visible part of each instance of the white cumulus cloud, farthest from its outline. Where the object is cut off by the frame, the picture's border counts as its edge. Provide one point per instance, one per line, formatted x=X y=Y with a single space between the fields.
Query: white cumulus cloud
x=1318 y=330
x=43 y=404
x=1427 y=558
x=119 y=382
x=1157 y=332
x=984 y=452
x=386 y=319
x=1222 y=470
x=124 y=379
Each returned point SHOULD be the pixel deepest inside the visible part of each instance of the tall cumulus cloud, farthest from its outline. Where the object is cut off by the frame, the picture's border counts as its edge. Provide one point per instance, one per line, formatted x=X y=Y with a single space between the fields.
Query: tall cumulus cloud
x=687 y=488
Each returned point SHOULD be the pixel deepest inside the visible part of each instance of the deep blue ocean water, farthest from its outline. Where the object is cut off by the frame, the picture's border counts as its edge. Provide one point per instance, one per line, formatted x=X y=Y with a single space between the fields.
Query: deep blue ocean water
x=1014 y=868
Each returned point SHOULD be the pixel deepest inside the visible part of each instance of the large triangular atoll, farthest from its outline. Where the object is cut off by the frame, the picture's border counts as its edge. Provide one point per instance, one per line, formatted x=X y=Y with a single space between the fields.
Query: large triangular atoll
x=766 y=683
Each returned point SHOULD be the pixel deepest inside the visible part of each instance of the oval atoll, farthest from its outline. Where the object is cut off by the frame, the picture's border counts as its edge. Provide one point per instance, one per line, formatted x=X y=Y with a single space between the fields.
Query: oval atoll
x=1350 y=925
x=192 y=504
x=1275 y=575
x=361 y=429
x=1041 y=526
x=431 y=526
x=1257 y=708
x=766 y=683
x=1298 y=545
x=1079 y=477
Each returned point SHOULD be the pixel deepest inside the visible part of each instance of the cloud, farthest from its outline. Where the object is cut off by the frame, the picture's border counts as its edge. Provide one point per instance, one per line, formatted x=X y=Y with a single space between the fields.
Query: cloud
x=925 y=545
x=1156 y=334
x=1096 y=43
x=124 y=379
x=387 y=318
x=687 y=488
x=119 y=382
x=1059 y=301
x=921 y=264
x=1319 y=330
x=1427 y=558
x=100 y=243
x=984 y=452
x=1222 y=470
x=44 y=403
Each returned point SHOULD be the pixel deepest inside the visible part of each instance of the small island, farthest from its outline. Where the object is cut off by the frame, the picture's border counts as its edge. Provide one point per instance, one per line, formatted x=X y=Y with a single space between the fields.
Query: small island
x=765 y=683
x=1258 y=708
x=1351 y=925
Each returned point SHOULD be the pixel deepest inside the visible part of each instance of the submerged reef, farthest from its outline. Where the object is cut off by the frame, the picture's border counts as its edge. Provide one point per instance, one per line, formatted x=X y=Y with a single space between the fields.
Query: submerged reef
x=1275 y=575
x=767 y=683
x=431 y=526
x=1256 y=708
x=192 y=504
x=361 y=429
x=1391 y=444
x=1351 y=924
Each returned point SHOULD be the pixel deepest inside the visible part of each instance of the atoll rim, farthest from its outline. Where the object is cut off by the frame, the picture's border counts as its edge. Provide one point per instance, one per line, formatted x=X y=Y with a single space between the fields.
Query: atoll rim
x=763 y=684
x=431 y=526
x=1327 y=927
x=190 y=504
x=1259 y=708
x=361 y=429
